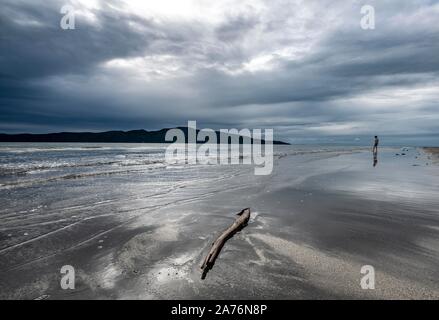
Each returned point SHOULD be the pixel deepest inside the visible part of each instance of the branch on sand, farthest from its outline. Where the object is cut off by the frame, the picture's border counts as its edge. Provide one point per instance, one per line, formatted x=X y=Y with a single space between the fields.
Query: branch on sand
x=217 y=245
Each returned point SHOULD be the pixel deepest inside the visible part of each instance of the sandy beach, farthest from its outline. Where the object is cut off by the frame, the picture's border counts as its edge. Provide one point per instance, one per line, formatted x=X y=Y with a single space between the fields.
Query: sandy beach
x=142 y=234
x=433 y=154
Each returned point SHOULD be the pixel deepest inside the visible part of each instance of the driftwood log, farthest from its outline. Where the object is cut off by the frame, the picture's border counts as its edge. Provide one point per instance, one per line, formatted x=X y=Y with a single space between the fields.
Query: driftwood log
x=217 y=245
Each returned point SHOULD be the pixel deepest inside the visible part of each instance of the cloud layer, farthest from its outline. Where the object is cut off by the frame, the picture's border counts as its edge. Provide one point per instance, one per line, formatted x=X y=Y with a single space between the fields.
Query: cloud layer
x=304 y=68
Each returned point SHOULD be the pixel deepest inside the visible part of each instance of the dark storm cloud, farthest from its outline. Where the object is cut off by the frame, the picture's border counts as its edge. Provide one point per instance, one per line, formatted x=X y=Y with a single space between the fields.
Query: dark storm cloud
x=46 y=49
x=303 y=69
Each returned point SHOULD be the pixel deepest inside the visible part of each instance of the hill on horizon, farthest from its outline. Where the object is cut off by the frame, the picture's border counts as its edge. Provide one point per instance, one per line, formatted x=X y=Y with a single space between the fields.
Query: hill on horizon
x=132 y=136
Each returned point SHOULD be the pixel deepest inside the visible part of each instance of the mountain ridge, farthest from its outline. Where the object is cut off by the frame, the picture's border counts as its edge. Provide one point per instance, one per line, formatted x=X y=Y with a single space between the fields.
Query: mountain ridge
x=113 y=136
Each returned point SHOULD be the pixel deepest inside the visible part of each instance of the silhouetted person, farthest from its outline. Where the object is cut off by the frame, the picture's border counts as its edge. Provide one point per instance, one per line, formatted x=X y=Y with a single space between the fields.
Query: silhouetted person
x=375 y=145
x=375 y=151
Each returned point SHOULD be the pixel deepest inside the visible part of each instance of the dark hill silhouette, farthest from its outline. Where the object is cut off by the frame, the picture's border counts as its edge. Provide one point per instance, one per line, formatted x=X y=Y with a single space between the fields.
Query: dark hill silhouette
x=133 y=136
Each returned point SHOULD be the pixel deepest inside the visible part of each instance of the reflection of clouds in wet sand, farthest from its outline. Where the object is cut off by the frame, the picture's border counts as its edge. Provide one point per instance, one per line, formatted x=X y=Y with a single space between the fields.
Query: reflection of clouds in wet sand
x=108 y=276
x=173 y=268
x=146 y=246
x=165 y=278
x=156 y=261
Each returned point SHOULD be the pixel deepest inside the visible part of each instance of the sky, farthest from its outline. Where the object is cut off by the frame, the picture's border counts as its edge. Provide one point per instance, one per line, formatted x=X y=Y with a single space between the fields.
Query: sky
x=306 y=69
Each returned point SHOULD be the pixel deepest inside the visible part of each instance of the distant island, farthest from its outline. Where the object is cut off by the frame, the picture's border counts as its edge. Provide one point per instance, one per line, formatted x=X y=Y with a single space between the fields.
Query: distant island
x=133 y=136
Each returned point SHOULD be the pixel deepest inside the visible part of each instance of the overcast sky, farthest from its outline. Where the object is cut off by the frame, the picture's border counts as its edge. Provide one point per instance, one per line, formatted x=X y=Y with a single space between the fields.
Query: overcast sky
x=305 y=68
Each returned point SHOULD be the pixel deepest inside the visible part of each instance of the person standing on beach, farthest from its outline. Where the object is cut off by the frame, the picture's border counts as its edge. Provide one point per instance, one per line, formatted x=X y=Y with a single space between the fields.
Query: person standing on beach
x=375 y=145
x=375 y=151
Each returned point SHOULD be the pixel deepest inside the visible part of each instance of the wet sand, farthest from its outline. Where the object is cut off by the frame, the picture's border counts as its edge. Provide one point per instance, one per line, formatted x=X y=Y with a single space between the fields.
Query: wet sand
x=433 y=154
x=315 y=222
